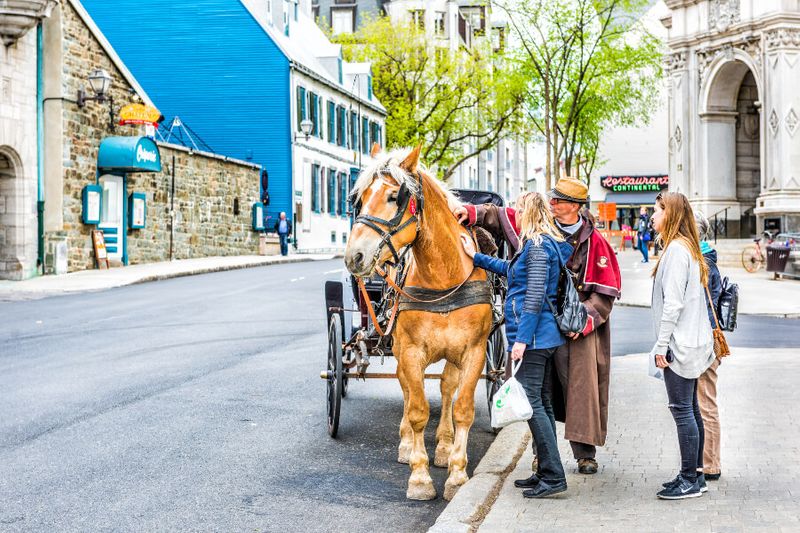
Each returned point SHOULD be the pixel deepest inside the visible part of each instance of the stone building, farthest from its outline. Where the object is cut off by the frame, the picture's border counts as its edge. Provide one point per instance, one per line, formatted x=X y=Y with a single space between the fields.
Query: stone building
x=52 y=130
x=734 y=110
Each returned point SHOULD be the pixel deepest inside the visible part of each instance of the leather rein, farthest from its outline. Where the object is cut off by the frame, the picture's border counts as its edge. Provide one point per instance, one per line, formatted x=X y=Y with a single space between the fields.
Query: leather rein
x=392 y=227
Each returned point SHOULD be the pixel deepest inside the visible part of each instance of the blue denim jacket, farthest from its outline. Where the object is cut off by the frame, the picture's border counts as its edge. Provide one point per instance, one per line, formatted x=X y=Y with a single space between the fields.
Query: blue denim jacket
x=532 y=276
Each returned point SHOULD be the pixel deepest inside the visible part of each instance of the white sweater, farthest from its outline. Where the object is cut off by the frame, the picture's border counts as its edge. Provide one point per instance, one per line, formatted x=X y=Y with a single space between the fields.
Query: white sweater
x=680 y=318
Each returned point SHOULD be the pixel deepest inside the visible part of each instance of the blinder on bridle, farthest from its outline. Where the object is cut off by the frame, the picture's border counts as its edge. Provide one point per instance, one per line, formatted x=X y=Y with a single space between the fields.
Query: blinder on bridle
x=392 y=227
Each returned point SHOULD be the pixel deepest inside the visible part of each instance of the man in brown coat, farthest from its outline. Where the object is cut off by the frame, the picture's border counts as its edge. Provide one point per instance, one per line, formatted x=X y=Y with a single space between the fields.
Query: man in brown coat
x=583 y=363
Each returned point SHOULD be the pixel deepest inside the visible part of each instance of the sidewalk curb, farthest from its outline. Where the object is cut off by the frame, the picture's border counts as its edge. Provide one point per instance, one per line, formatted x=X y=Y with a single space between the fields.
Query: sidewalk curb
x=474 y=500
x=221 y=268
x=771 y=315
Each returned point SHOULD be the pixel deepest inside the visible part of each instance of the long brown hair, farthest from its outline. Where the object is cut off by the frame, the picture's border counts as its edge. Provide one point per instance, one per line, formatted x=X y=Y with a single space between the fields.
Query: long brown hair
x=678 y=224
x=535 y=218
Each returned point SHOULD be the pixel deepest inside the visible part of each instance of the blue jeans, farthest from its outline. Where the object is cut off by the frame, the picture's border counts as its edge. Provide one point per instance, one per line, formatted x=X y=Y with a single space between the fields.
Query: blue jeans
x=682 y=395
x=643 y=248
x=534 y=375
x=284 y=237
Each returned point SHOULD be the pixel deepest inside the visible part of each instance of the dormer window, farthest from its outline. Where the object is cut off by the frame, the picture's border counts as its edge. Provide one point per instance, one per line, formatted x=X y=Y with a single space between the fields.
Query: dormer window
x=342 y=19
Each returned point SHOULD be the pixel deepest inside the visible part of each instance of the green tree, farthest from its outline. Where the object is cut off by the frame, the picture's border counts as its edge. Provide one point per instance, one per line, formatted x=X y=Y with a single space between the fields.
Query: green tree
x=589 y=64
x=457 y=103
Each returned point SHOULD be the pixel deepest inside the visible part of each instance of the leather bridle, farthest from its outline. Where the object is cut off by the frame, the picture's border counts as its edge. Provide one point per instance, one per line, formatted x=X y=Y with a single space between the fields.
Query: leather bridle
x=387 y=229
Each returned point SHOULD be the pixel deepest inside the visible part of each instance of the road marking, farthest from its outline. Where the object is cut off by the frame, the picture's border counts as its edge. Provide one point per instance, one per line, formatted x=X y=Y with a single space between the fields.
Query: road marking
x=333 y=271
x=297 y=279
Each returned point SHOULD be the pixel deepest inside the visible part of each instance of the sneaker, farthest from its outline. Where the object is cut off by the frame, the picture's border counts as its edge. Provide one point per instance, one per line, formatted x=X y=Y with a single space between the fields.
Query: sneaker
x=528 y=483
x=544 y=489
x=701 y=480
x=682 y=490
x=587 y=466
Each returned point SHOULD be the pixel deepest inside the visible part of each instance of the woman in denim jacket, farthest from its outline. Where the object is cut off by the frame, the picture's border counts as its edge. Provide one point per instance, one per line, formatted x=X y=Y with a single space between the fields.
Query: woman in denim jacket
x=531 y=328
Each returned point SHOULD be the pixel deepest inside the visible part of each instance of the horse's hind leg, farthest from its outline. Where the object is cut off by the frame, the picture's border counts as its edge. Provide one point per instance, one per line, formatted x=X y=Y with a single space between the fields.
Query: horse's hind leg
x=406 y=435
x=444 y=433
x=464 y=414
x=420 y=484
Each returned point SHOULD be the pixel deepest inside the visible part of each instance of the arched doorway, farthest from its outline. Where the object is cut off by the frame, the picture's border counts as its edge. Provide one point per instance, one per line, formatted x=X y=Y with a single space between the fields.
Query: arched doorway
x=732 y=153
x=9 y=260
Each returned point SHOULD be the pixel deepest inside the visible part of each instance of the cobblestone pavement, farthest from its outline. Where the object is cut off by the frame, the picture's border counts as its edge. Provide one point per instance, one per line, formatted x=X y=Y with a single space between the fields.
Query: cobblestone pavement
x=760 y=485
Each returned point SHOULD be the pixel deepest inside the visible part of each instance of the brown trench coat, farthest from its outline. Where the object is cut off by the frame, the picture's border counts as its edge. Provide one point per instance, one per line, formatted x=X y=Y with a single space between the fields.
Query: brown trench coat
x=584 y=407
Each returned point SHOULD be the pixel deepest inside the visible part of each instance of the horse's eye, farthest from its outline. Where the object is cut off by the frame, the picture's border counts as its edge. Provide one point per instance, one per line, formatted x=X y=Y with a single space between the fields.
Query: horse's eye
x=393 y=197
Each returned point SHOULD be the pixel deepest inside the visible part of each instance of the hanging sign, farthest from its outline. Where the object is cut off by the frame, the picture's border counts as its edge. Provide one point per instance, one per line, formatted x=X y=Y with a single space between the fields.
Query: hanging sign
x=139 y=114
x=634 y=183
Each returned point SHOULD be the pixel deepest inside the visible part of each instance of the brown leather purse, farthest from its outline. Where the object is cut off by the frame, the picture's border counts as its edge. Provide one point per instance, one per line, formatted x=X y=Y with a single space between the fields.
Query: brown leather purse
x=721 y=348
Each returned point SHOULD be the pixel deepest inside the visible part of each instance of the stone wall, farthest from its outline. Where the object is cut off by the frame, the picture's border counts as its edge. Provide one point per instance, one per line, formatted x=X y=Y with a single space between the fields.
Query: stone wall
x=206 y=189
x=206 y=185
x=18 y=165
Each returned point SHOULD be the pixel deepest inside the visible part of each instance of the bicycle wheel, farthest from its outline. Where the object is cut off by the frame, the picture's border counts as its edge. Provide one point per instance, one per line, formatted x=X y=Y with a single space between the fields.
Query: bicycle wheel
x=752 y=259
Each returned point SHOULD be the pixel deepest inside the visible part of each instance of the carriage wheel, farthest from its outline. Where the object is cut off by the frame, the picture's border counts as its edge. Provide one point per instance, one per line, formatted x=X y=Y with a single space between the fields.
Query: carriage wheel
x=752 y=259
x=495 y=360
x=335 y=372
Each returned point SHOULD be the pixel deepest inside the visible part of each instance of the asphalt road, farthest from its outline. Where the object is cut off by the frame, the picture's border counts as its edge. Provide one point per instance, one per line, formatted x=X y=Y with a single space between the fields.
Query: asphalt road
x=194 y=404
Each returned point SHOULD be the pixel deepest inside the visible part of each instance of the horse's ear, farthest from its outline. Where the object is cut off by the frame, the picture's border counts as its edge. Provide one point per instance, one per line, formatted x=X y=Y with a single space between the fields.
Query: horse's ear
x=412 y=160
x=375 y=150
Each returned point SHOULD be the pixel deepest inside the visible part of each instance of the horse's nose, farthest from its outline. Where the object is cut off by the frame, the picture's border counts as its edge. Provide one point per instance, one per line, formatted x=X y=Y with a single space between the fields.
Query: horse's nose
x=358 y=260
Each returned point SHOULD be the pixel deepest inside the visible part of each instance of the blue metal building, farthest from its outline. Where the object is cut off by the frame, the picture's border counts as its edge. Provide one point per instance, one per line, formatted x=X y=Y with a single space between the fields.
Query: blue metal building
x=210 y=63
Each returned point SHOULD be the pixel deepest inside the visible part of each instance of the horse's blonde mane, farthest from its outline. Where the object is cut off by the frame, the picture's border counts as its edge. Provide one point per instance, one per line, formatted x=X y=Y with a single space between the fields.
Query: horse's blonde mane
x=389 y=163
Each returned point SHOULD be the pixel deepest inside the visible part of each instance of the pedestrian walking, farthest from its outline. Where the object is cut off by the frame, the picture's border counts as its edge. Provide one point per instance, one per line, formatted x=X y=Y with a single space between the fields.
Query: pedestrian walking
x=533 y=334
x=643 y=233
x=707 y=382
x=583 y=364
x=284 y=228
x=684 y=346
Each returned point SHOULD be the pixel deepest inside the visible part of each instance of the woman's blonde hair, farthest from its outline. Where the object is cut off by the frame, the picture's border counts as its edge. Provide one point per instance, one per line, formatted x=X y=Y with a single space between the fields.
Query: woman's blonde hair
x=534 y=218
x=679 y=224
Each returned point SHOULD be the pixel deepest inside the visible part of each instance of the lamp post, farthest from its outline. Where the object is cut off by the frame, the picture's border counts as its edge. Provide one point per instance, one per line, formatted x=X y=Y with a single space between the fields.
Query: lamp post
x=100 y=82
x=306 y=126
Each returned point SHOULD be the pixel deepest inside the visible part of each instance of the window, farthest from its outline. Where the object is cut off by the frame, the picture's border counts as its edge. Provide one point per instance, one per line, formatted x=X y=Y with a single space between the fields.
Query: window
x=313 y=110
x=333 y=237
x=315 y=189
x=353 y=130
x=286 y=17
x=489 y=155
x=365 y=146
x=301 y=105
x=341 y=126
x=331 y=122
x=489 y=179
x=418 y=17
x=438 y=23
x=369 y=87
x=508 y=159
x=269 y=13
x=375 y=133
x=342 y=20
x=342 y=211
x=332 y=191
x=344 y=238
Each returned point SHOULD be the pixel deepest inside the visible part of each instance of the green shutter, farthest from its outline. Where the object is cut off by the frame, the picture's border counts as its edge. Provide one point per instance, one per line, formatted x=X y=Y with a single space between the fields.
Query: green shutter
x=331 y=123
x=298 y=104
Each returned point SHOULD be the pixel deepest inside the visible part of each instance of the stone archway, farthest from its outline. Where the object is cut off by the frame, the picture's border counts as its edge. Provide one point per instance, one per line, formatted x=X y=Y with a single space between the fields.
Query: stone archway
x=11 y=216
x=731 y=123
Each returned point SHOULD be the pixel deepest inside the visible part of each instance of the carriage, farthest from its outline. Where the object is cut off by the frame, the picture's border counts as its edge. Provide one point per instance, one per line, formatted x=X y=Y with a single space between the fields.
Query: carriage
x=360 y=315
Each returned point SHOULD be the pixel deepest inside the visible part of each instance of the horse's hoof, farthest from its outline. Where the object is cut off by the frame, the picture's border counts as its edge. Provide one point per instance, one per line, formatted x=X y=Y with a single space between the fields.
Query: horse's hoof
x=452 y=485
x=442 y=457
x=421 y=491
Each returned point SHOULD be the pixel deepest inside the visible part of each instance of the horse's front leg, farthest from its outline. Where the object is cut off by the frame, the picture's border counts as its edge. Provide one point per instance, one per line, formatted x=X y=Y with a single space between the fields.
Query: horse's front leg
x=406 y=435
x=444 y=433
x=464 y=414
x=420 y=483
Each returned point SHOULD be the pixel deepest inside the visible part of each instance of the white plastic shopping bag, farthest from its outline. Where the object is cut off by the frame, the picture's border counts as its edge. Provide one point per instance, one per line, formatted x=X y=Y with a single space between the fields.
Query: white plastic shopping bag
x=510 y=403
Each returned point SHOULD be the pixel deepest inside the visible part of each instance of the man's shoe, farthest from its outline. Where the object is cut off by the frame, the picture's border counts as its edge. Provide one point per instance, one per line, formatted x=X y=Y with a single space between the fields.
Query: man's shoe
x=682 y=490
x=544 y=489
x=587 y=466
x=672 y=482
x=527 y=483
x=713 y=477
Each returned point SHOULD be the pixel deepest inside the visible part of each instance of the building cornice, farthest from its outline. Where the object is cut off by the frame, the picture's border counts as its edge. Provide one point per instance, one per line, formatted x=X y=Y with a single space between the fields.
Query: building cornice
x=739 y=32
x=325 y=81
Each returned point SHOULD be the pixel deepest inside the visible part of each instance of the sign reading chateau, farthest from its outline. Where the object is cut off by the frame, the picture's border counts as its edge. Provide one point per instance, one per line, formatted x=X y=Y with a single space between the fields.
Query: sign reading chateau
x=139 y=114
x=634 y=183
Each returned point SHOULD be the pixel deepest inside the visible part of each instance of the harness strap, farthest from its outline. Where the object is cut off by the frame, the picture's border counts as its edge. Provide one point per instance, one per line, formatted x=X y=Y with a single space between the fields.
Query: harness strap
x=368 y=303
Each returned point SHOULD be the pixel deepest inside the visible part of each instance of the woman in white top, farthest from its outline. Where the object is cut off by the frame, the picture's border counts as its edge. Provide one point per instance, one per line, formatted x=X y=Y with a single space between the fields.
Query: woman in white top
x=684 y=347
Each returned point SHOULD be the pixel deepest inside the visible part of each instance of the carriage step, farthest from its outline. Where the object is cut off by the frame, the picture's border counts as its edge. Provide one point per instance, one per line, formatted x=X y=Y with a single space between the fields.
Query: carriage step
x=327 y=374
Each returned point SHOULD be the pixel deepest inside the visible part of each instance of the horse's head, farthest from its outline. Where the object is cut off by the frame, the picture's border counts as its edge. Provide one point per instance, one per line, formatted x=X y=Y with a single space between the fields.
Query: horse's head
x=388 y=199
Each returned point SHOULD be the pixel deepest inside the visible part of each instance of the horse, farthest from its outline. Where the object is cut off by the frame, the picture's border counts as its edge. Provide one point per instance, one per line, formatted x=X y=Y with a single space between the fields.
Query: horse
x=403 y=207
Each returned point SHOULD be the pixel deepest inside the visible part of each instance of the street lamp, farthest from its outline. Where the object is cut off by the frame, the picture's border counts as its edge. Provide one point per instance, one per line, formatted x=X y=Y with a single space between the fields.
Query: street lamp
x=306 y=126
x=100 y=82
